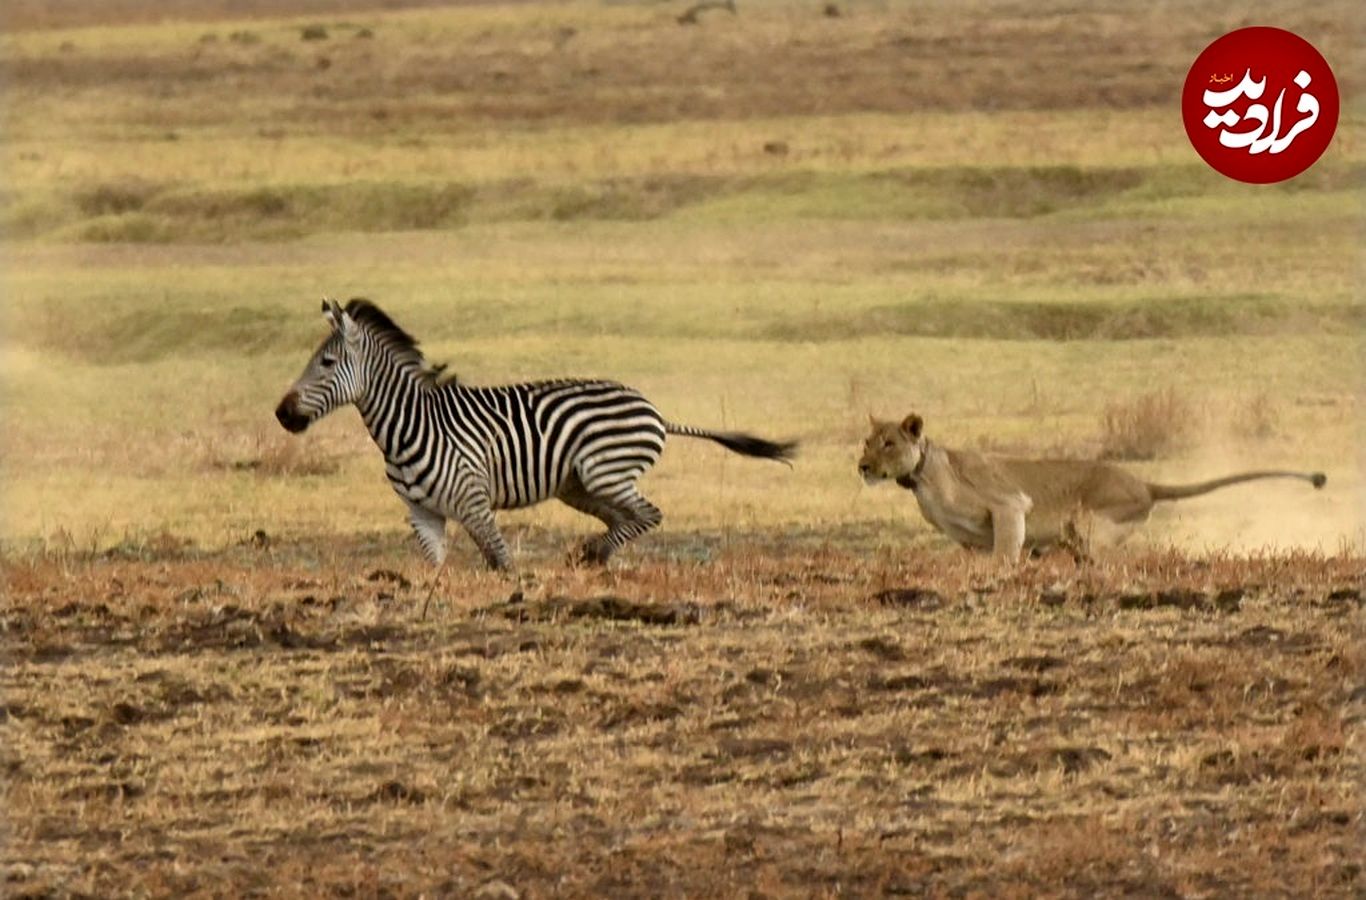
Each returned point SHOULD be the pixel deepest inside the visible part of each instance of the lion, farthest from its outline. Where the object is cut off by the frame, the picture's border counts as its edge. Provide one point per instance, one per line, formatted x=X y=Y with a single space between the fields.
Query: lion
x=1004 y=504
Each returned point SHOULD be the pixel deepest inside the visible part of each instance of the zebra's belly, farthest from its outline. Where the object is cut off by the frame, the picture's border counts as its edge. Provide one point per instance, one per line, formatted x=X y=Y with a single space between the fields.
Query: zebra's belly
x=502 y=494
x=518 y=489
x=422 y=494
x=506 y=499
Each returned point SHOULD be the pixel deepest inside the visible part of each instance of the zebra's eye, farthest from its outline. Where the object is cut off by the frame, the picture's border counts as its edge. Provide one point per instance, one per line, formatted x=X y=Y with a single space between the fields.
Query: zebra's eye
x=328 y=362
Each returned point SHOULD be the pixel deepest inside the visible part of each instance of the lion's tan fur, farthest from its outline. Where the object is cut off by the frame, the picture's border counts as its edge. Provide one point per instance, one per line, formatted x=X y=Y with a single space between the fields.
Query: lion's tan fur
x=1005 y=504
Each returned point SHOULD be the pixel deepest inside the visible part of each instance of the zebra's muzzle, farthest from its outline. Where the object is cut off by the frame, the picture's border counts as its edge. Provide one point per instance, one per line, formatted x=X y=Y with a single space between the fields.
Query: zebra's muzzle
x=292 y=420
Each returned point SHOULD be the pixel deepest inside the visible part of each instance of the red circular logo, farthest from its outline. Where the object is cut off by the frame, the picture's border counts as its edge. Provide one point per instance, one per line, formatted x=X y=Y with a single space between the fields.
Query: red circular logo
x=1260 y=105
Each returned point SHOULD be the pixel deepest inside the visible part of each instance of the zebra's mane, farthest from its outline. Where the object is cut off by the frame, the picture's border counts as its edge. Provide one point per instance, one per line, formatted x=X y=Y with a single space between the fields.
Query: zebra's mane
x=378 y=323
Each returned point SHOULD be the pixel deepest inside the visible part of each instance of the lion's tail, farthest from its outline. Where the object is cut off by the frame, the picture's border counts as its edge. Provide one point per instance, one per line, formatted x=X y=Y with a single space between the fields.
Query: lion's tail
x=1181 y=491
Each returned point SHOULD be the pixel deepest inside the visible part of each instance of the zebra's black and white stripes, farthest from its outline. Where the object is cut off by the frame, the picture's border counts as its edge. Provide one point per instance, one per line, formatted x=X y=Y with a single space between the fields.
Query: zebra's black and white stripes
x=457 y=452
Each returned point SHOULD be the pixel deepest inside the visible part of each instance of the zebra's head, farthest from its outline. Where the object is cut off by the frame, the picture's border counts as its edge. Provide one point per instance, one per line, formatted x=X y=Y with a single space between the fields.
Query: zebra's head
x=332 y=378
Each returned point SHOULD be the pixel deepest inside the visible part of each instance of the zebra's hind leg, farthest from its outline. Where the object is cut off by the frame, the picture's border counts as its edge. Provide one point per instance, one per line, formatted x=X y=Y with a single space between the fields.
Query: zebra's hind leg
x=621 y=508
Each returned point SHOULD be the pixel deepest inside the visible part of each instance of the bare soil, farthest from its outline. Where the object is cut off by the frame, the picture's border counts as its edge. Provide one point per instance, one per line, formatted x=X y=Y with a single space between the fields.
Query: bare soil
x=778 y=717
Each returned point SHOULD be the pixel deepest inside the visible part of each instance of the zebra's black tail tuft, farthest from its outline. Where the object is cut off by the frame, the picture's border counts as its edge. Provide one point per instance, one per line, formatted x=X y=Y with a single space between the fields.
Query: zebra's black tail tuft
x=738 y=442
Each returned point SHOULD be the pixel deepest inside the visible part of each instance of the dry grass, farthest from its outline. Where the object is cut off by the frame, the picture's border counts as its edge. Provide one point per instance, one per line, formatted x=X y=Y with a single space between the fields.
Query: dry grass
x=1258 y=418
x=24 y=15
x=277 y=456
x=1150 y=426
x=790 y=718
x=631 y=63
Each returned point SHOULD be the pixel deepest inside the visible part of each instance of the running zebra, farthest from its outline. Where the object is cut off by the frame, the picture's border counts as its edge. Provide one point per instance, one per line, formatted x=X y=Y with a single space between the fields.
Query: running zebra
x=457 y=452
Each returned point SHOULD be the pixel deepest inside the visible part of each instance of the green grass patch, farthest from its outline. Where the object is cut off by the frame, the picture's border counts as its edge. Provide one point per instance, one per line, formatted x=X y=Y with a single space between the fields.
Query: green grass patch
x=136 y=210
x=148 y=335
x=1136 y=319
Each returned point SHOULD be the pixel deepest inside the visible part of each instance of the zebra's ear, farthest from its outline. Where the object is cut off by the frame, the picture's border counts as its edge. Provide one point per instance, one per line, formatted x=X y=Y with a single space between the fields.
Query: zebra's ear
x=338 y=318
x=346 y=325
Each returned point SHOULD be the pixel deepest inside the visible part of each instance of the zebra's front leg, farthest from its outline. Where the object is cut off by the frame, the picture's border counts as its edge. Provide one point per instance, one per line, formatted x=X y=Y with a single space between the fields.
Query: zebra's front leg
x=477 y=517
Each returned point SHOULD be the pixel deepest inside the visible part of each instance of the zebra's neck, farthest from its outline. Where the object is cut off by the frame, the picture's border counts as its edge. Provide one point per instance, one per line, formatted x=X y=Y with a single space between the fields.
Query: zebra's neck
x=393 y=404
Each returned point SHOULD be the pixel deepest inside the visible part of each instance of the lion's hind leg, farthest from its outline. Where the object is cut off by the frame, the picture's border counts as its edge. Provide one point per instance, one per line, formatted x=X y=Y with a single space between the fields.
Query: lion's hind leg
x=1076 y=535
x=1087 y=531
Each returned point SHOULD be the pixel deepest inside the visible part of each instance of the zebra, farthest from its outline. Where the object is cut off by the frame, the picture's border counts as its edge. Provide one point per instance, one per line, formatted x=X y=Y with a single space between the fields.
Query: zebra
x=457 y=452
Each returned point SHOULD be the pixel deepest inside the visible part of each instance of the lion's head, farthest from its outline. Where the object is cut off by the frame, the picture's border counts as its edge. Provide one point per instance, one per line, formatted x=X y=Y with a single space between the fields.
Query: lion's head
x=894 y=450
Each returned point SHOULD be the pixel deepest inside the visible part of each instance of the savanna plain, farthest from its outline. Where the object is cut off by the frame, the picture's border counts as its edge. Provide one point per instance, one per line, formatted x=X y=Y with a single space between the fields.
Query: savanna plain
x=227 y=671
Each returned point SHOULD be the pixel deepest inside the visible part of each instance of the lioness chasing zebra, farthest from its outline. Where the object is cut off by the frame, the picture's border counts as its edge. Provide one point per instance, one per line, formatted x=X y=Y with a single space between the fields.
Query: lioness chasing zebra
x=1005 y=505
x=458 y=452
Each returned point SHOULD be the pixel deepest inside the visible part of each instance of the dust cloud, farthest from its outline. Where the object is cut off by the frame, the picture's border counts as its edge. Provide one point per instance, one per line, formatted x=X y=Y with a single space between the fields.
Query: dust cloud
x=1280 y=514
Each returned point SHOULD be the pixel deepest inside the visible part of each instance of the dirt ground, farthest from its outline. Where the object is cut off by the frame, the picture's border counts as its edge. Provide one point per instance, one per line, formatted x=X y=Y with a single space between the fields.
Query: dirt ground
x=749 y=717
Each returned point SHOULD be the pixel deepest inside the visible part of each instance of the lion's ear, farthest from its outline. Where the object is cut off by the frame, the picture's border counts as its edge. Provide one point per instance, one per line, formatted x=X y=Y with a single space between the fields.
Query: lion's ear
x=912 y=425
x=872 y=420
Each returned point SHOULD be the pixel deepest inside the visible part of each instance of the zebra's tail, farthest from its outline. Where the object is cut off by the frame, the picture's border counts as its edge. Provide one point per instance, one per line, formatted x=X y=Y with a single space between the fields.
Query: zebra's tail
x=745 y=444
